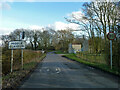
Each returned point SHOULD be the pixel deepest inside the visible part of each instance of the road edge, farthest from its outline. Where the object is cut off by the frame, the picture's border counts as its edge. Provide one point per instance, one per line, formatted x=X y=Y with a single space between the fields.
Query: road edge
x=29 y=74
x=93 y=67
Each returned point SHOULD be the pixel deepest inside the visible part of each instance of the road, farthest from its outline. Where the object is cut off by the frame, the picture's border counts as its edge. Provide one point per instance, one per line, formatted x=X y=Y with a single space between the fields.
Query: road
x=58 y=72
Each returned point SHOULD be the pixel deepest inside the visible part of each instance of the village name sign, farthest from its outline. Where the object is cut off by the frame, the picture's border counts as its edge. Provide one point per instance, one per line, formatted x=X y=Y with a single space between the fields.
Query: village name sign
x=17 y=45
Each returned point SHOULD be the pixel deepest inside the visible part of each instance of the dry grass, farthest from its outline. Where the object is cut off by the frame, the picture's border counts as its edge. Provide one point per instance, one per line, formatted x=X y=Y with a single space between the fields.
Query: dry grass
x=29 y=56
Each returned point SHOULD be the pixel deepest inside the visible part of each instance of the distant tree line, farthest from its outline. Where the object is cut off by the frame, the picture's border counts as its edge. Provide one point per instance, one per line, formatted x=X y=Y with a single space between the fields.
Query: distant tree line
x=46 y=39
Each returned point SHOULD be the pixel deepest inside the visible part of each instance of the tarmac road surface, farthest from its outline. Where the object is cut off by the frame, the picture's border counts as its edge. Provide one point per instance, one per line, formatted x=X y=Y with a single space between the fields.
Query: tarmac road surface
x=58 y=72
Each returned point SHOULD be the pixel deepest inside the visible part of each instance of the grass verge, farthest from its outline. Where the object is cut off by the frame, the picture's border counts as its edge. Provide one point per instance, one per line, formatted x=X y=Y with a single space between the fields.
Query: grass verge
x=103 y=67
x=12 y=80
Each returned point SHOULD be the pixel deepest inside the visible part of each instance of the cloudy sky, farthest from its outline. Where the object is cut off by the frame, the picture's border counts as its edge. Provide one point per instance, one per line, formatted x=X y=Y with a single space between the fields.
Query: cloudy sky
x=35 y=15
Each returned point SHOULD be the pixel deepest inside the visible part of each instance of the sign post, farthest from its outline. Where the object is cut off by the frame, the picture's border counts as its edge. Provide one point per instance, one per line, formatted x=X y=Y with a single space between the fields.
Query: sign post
x=22 y=57
x=11 y=60
x=111 y=36
x=111 y=53
x=17 y=45
x=22 y=36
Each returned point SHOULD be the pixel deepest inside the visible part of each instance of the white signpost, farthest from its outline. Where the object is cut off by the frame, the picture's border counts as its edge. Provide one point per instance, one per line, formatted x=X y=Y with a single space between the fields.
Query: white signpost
x=111 y=36
x=17 y=45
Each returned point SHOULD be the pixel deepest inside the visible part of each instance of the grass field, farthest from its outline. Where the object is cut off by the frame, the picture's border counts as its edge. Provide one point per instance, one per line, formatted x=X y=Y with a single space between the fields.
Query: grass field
x=95 y=58
x=94 y=64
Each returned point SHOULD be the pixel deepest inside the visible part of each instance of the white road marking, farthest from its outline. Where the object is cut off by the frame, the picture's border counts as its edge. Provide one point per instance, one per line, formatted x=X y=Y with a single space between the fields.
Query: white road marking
x=58 y=70
x=48 y=69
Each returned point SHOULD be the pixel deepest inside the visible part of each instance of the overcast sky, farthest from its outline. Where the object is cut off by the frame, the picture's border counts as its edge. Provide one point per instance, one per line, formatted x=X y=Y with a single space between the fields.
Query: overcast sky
x=36 y=15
